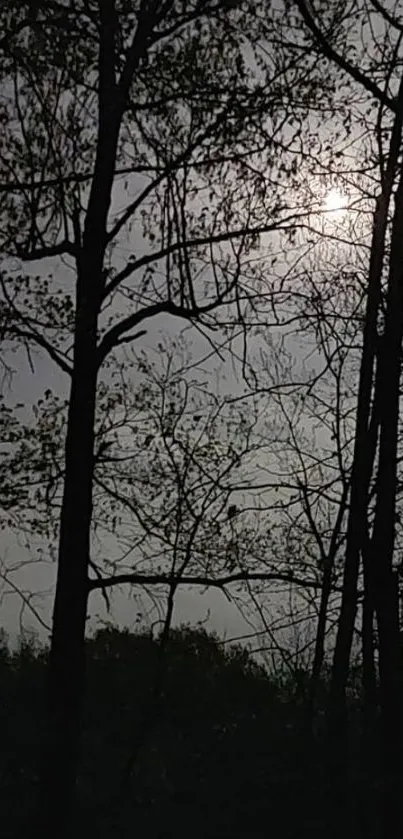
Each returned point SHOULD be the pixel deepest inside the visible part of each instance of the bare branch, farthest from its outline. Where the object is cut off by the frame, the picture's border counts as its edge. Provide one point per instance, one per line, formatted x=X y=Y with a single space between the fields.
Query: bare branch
x=48 y=251
x=211 y=239
x=73 y=178
x=200 y=580
x=115 y=335
x=26 y=599
x=34 y=336
x=387 y=15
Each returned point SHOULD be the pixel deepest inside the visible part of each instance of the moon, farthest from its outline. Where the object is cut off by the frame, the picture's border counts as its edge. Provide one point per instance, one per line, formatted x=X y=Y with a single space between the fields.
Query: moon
x=335 y=201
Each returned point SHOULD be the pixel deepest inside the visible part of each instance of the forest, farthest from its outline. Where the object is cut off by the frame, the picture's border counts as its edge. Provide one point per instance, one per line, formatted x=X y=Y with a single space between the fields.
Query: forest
x=227 y=742
x=201 y=325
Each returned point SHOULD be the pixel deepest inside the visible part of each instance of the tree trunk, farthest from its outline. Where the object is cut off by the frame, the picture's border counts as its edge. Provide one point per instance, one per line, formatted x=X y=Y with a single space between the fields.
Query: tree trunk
x=368 y=649
x=369 y=745
x=328 y=566
x=66 y=664
x=390 y=698
x=368 y=607
x=67 y=656
x=320 y=638
x=361 y=473
x=362 y=465
x=385 y=580
x=363 y=454
x=360 y=479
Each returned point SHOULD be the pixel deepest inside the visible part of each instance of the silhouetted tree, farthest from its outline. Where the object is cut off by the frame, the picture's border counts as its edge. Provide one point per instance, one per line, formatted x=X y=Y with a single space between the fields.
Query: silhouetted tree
x=378 y=73
x=128 y=131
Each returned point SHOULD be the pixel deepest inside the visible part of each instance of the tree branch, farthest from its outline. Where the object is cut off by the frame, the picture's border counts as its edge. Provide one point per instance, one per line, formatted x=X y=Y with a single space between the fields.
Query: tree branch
x=73 y=178
x=215 y=238
x=397 y=24
x=353 y=71
x=46 y=345
x=114 y=337
x=30 y=334
x=26 y=599
x=199 y=580
x=171 y=167
x=47 y=252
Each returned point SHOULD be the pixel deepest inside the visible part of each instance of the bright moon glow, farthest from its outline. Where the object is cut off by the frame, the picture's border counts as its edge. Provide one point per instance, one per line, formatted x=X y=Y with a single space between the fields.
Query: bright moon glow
x=335 y=201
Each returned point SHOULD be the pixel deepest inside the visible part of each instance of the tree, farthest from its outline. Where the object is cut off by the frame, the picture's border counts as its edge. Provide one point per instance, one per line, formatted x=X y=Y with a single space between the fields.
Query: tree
x=376 y=438
x=132 y=126
x=180 y=495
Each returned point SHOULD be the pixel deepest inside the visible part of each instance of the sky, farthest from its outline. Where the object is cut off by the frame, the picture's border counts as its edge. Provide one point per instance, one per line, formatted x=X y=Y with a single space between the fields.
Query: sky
x=191 y=605
x=28 y=386
x=38 y=578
